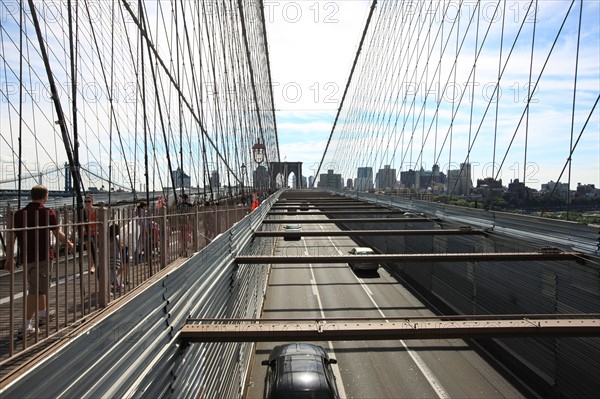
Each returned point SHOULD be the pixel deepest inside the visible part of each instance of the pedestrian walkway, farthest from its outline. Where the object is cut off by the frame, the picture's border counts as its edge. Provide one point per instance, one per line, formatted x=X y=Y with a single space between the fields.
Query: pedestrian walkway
x=76 y=296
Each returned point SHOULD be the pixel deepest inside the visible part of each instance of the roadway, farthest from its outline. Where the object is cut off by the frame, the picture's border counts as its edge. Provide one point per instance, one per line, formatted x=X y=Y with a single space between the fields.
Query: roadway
x=371 y=369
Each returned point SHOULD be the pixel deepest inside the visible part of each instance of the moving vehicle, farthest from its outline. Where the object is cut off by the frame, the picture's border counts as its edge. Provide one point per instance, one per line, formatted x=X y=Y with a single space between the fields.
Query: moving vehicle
x=362 y=265
x=300 y=370
x=292 y=228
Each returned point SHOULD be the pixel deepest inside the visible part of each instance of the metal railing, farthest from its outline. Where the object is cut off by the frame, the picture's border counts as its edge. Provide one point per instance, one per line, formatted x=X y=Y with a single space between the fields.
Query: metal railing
x=88 y=278
x=132 y=348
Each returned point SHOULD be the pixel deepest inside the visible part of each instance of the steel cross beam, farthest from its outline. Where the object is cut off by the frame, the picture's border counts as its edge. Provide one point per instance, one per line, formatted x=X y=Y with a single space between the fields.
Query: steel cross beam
x=346 y=233
x=353 y=206
x=353 y=212
x=317 y=203
x=427 y=257
x=266 y=331
x=353 y=220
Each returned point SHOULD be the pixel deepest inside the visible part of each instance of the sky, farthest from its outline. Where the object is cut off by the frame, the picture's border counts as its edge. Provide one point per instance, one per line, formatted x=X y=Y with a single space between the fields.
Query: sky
x=312 y=46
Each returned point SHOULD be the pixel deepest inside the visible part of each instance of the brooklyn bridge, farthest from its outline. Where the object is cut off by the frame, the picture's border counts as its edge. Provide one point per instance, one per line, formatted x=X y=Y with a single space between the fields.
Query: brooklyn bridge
x=379 y=211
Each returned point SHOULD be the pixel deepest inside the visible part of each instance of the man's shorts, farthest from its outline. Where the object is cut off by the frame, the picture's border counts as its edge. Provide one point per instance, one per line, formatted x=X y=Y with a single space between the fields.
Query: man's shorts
x=38 y=285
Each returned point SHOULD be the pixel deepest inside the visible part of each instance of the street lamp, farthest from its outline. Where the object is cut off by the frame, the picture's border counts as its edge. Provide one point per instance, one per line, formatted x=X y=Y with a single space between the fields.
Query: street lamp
x=258 y=152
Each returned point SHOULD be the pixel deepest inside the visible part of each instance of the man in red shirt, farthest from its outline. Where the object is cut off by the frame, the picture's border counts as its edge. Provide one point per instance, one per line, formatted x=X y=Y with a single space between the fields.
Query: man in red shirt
x=36 y=253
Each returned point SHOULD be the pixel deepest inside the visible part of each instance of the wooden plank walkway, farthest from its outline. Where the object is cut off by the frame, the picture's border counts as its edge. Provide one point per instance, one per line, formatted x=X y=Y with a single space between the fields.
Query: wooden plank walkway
x=72 y=296
x=75 y=295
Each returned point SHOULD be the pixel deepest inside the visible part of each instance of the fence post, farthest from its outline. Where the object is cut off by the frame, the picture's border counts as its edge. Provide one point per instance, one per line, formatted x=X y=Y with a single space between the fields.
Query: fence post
x=217 y=226
x=196 y=227
x=103 y=258
x=164 y=243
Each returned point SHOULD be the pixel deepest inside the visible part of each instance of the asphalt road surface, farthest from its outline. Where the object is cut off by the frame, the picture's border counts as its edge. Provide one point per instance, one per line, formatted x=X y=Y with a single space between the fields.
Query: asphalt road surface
x=372 y=369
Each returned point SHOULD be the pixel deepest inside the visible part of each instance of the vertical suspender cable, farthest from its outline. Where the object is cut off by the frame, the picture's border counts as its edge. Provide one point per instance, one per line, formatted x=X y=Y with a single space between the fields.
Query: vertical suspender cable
x=266 y=49
x=362 y=39
x=152 y=50
x=20 y=173
x=473 y=88
x=529 y=94
x=144 y=115
x=574 y=98
x=497 y=91
x=73 y=56
x=58 y=106
x=111 y=111
x=251 y=72
x=179 y=104
x=562 y=25
x=449 y=191
x=573 y=149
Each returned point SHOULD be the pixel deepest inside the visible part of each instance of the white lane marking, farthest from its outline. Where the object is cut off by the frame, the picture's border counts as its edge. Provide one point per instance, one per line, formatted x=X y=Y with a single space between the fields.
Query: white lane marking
x=313 y=285
x=427 y=373
x=331 y=352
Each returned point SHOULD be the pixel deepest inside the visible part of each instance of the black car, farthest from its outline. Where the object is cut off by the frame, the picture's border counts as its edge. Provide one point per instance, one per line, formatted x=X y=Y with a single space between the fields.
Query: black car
x=300 y=370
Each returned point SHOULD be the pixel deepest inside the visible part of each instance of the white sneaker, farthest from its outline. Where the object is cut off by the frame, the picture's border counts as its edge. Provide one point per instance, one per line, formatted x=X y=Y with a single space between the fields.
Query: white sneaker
x=29 y=331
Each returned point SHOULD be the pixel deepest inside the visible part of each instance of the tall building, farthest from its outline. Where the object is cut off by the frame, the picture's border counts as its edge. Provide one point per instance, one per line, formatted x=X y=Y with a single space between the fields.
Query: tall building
x=303 y=181
x=517 y=193
x=432 y=178
x=587 y=190
x=181 y=179
x=386 y=178
x=364 y=179
x=349 y=184
x=411 y=179
x=330 y=180
x=214 y=179
x=560 y=190
x=311 y=180
x=459 y=180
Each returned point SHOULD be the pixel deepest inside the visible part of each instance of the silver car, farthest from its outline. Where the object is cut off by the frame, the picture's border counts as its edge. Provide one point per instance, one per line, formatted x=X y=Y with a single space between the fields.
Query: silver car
x=362 y=265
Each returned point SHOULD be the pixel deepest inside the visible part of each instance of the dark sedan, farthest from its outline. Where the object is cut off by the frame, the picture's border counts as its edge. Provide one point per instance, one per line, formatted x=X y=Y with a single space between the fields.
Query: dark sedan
x=300 y=370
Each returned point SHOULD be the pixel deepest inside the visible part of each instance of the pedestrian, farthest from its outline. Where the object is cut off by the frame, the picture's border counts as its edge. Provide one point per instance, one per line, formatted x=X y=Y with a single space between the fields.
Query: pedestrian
x=116 y=249
x=36 y=254
x=255 y=200
x=184 y=209
x=143 y=238
x=89 y=232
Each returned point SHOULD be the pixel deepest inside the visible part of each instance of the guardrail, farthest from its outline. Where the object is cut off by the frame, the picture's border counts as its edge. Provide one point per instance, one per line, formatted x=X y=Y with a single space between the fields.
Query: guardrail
x=568 y=235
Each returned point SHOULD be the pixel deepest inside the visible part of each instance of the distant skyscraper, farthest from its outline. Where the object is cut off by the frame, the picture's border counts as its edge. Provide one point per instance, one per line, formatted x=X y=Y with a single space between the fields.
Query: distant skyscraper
x=386 y=178
x=364 y=179
x=311 y=180
x=411 y=179
x=214 y=179
x=330 y=180
x=459 y=180
x=295 y=180
x=181 y=179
